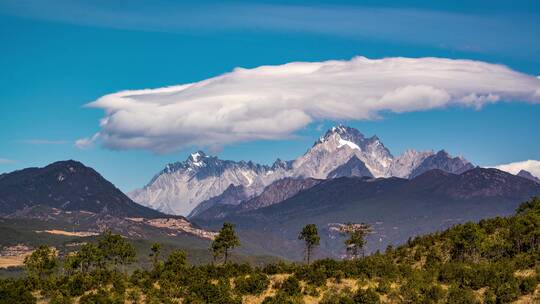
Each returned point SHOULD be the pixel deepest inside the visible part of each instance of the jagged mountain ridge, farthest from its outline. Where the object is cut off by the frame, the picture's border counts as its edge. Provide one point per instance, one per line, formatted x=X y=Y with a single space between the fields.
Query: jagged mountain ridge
x=397 y=208
x=342 y=151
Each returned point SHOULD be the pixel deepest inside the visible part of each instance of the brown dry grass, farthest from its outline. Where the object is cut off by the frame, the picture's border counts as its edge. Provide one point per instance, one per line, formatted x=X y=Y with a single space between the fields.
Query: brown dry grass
x=13 y=261
x=69 y=233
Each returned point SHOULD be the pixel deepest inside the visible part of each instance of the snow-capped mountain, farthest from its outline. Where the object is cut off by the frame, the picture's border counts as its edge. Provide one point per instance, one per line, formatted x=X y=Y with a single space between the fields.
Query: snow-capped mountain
x=181 y=186
x=337 y=147
x=342 y=151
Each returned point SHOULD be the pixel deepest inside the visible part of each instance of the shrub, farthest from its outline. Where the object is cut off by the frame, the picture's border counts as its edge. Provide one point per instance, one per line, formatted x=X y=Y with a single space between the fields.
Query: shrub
x=461 y=295
x=15 y=292
x=282 y=298
x=336 y=299
x=490 y=297
x=291 y=286
x=528 y=285
x=383 y=286
x=507 y=292
x=101 y=297
x=366 y=296
x=254 y=284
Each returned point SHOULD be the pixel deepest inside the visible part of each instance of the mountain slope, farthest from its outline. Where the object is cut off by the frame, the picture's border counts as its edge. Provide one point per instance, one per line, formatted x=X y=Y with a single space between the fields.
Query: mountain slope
x=353 y=167
x=233 y=195
x=442 y=161
x=279 y=191
x=67 y=185
x=526 y=174
x=397 y=208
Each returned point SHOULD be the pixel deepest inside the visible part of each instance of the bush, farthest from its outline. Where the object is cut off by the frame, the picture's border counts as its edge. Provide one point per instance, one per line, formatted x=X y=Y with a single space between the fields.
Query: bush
x=291 y=286
x=507 y=292
x=58 y=298
x=206 y=292
x=282 y=298
x=461 y=295
x=383 y=286
x=254 y=284
x=367 y=296
x=101 y=297
x=528 y=285
x=435 y=294
x=490 y=297
x=15 y=292
x=336 y=299
x=312 y=275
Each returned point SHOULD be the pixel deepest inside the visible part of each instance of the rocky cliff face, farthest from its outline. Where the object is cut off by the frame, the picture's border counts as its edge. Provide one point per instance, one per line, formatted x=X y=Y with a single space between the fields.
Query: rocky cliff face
x=279 y=191
x=354 y=167
x=233 y=195
x=442 y=161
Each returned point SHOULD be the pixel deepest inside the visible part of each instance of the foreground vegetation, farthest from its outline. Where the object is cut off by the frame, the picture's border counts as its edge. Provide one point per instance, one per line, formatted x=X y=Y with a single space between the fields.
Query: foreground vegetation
x=493 y=261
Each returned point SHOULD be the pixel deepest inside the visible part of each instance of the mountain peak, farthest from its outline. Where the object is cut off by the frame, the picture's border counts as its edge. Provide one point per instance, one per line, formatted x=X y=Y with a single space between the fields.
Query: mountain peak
x=196 y=156
x=528 y=175
x=345 y=132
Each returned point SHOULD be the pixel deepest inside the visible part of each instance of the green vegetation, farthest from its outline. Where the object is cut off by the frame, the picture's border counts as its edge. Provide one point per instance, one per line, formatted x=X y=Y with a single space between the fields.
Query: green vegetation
x=493 y=261
x=311 y=238
x=224 y=242
x=356 y=238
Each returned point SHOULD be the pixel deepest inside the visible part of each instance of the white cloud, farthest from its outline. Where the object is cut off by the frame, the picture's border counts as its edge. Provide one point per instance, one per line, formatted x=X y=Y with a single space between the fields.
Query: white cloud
x=5 y=161
x=533 y=166
x=86 y=143
x=272 y=102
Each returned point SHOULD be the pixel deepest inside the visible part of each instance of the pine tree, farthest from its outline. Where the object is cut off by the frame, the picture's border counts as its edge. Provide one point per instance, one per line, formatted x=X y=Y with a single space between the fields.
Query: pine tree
x=356 y=240
x=225 y=241
x=310 y=236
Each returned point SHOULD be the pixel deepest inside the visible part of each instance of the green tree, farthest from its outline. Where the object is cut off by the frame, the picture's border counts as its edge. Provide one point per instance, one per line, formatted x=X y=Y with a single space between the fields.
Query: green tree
x=155 y=252
x=116 y=250
x=225 y=241
x=42 y=262
x=90 y=256
x=311 y=238
x=356 y=238
x=176 y=261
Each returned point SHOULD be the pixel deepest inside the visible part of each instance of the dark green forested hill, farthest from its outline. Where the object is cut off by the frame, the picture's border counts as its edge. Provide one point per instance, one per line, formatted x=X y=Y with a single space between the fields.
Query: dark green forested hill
x=493 y=261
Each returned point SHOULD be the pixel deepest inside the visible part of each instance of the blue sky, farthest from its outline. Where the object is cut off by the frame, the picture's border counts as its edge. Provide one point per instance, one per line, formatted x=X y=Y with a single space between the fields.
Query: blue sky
x=57 y=56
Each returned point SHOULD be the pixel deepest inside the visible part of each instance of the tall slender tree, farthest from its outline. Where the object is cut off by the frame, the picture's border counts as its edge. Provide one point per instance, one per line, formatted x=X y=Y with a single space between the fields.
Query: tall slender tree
x=225 y=241
x=356 y=239
x=311 y=238
x=155 y=252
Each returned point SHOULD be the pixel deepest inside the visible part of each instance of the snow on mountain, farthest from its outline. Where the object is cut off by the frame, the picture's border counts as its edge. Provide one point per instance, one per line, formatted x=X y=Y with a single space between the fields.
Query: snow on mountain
x=337 y=147
x=181 y=186
x=343 y=151
x=405 y=164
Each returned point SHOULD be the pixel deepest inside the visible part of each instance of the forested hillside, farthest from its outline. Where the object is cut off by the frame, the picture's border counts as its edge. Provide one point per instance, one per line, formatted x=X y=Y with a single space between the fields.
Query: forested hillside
x=493 y=261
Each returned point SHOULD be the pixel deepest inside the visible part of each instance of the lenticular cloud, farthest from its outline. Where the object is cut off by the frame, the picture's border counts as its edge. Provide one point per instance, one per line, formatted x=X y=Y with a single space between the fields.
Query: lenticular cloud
x=272 y=102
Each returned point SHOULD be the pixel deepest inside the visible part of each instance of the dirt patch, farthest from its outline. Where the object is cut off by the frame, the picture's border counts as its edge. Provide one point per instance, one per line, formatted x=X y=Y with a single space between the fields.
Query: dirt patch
x=69 y=233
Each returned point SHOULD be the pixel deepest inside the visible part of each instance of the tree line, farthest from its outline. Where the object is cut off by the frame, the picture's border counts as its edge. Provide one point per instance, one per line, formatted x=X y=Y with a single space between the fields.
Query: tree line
x=493 y=261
